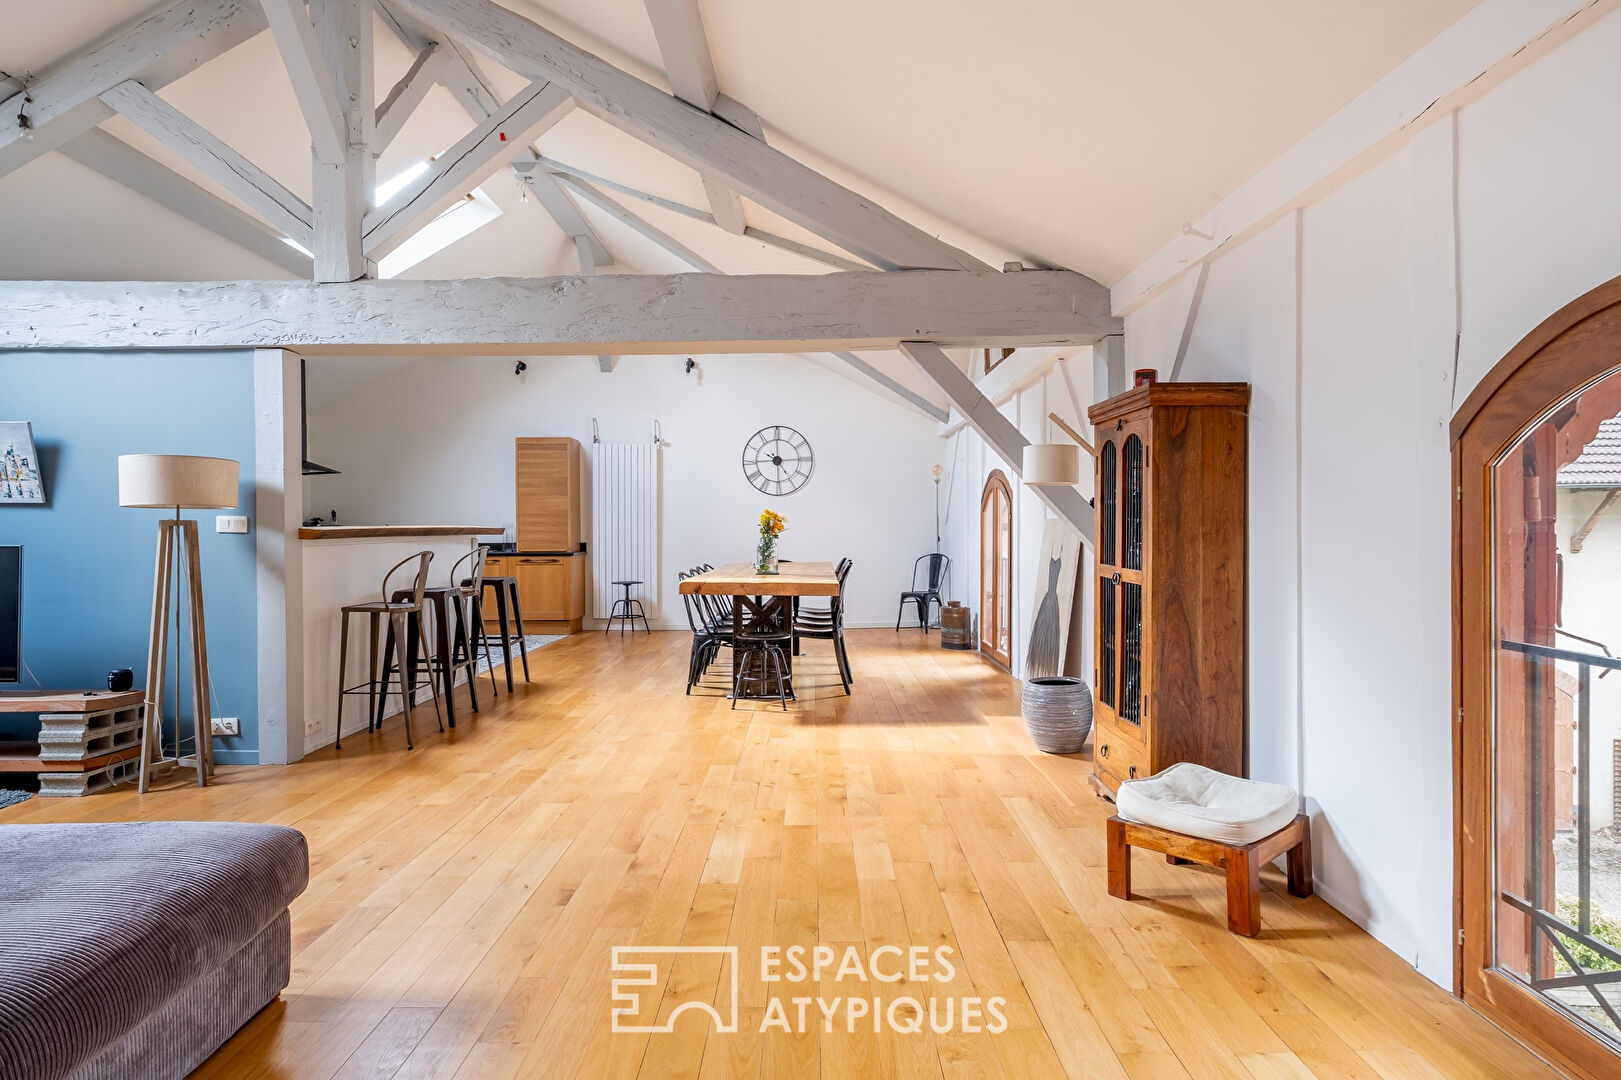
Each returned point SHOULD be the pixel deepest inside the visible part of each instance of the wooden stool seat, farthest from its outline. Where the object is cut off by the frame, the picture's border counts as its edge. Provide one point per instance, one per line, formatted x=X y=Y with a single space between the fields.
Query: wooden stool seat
x=1242 y=863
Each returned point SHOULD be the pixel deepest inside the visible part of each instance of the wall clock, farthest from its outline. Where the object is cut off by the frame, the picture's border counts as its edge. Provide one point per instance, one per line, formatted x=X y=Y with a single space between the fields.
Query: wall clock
x=778 y=460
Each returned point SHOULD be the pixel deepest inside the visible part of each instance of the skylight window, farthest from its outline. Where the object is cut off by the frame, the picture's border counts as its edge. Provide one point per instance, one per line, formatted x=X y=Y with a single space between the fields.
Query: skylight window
x=469 y=214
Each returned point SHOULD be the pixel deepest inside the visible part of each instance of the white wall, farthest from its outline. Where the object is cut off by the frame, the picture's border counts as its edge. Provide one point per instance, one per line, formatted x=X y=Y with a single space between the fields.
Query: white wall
x=1345 y=316
x=429 y=440
x=1588 y=608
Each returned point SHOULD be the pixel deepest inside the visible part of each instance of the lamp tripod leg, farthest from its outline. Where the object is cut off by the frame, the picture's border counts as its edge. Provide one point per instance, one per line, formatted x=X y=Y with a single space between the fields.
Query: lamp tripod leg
x=156 y=659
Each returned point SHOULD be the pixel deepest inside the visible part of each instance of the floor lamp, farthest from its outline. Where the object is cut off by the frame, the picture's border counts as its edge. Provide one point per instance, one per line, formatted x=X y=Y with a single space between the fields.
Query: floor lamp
x=178 y=482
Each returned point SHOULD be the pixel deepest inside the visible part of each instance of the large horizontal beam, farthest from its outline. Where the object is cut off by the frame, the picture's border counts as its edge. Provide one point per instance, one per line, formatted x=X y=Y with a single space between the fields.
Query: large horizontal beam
x=696 y=138
x=564 y=316
x=119 y=161
x=1000 y=433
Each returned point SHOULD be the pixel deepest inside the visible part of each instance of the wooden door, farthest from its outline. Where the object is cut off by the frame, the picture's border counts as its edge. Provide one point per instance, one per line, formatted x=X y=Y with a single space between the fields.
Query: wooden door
x=996 y=570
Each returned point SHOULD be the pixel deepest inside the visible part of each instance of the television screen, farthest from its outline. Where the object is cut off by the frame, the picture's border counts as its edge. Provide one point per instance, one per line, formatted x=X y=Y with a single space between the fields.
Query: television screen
x=11 y=610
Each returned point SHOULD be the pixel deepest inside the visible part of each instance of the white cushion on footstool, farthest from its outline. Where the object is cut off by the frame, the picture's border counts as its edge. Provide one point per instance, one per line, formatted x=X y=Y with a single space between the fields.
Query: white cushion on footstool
x=1192 y=799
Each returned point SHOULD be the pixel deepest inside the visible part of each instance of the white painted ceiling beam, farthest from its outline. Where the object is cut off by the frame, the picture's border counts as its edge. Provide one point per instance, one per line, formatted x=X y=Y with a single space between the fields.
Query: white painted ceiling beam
x=464 y=166
x=343 y=191
x=1461 y=64
x=241 y=177
x=641 y=225
x=588 y=268
x=550 y=197
x=696 y=138
x=91 y=73
x=678 y=28
x=159 y=49
x=121 y=162
x=406 y=95
x=1000 y=433
x=827 y=258
x=312 y=80
x=568 y=316
x=917 y=400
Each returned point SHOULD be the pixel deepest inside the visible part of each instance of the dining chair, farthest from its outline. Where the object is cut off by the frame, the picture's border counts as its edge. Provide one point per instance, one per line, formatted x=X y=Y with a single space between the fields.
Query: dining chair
x=827 y=624
x=938 y=572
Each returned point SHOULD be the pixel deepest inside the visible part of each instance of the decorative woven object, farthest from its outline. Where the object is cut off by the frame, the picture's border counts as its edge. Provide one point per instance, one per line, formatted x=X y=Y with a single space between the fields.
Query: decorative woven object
x=1058 y=713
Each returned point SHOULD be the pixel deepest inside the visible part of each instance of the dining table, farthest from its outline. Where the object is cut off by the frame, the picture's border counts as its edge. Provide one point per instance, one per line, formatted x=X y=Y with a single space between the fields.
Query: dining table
x=764 y=598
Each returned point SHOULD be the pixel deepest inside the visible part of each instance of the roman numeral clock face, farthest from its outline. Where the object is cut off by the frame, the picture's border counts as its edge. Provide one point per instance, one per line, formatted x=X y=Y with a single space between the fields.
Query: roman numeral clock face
x=778 y=460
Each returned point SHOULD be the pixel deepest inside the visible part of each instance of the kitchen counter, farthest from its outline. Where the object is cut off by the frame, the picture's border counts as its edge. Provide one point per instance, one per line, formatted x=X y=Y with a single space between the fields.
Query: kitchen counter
x=370 y=532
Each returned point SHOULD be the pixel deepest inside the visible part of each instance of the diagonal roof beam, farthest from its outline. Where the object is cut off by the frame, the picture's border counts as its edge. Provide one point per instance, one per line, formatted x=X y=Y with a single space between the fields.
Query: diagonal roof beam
x=827 y=258
x=241 y=177
x=906 y=393
x=997 y=430
x=551 y=198
x=121 y=162
x=475 y=156
x=698 y=139
x=312 y=80
x=641 y=225
x=406 y=95
x=679 y=29
x=159 y=49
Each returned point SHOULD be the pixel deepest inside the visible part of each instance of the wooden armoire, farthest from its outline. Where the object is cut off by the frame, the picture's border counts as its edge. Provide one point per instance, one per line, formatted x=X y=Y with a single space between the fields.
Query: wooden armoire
x=1171 y=678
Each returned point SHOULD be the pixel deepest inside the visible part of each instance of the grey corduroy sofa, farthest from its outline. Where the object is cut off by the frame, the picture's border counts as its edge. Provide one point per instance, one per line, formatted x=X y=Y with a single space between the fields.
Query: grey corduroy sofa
x=134 y=950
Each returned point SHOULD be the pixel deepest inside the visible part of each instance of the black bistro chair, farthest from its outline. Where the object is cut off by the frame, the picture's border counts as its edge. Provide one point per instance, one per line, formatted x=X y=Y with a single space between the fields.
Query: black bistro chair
x=708 y=638
x=939 y=572
x=827 y=624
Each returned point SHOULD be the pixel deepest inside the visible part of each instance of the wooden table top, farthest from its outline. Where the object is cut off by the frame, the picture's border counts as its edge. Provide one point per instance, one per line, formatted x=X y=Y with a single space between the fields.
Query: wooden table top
x=739 y=579
x=372 y=532
x=68 y=701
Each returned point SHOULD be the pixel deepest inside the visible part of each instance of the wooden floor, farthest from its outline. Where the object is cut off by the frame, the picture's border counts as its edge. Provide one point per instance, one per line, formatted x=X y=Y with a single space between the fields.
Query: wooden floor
x=465 y=897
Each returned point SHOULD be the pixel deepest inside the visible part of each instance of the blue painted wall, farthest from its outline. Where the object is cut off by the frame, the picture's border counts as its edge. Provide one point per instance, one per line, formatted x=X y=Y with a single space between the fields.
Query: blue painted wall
x=87 y=563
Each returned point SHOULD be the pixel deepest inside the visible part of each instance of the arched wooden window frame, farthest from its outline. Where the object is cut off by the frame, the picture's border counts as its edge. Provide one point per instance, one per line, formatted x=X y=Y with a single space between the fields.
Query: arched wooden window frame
x=996 y=481
x=1575 y=347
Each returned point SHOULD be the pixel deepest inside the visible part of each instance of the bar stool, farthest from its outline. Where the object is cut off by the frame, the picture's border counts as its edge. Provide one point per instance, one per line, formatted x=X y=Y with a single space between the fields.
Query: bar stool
x=764 y=637
x=625 y=610
x=506 y=598
x=454 y=646
x=404 y=617
x=469 y=574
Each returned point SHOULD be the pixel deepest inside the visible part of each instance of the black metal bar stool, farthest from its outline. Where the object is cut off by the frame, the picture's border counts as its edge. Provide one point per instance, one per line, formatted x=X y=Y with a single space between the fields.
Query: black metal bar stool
x=765 y=636
x=404 y=614
x=506 y=598
x=454 y=645
x=626 y=610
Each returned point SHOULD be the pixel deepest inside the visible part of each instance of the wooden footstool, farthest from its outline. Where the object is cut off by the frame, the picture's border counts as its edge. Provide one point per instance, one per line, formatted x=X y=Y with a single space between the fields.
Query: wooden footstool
x=1243 y=864
x=1195 y=814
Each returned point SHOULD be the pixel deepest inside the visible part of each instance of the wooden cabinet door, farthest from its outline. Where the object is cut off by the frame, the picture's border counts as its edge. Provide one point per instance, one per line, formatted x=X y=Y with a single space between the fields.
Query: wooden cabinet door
x=548 y=494
x=543 y=587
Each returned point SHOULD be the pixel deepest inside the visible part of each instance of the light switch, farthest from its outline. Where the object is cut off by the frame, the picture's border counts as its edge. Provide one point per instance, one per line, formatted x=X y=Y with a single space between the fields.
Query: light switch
x=231 y=523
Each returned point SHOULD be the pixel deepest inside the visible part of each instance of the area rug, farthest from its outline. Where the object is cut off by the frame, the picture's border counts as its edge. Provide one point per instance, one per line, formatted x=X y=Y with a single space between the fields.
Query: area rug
x=12 y=798
x=531 y=642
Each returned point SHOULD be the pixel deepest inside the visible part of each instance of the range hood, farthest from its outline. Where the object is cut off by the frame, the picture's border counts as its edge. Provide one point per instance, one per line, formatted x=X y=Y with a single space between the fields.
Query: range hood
x=310 y=467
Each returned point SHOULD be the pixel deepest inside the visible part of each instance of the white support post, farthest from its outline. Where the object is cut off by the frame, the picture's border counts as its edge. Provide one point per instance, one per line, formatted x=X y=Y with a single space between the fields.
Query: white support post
x=679 y=29
x=236 y=173
x=1000 y=433
x=464 y=166
x=696 y=138
x=312 y=80
x=343 y=192
x=121 y=162
x=278 y=506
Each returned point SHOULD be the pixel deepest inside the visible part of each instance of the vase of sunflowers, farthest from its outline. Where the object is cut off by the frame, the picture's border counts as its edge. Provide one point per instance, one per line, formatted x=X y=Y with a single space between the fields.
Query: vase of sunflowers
x=765 y=555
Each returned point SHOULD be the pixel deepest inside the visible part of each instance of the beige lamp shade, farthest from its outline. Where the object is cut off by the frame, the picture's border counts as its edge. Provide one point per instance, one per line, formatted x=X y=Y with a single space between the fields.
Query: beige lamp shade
x=1052 y=464
x=168 y=480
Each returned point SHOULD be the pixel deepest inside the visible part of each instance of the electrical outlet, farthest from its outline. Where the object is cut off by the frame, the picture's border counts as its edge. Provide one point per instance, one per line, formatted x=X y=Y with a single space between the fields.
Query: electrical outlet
x=225 y=725
x=231 y=523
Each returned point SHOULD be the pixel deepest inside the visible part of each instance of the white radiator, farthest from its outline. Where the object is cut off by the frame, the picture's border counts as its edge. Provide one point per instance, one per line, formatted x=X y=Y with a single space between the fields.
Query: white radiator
x=624 y=524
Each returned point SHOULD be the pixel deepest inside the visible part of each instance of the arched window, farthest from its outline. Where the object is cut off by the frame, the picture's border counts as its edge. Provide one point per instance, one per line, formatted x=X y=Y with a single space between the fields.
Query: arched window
x=996 y=569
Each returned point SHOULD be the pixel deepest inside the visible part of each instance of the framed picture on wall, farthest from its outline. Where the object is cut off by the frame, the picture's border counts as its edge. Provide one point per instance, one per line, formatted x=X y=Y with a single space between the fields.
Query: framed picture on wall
x=20 y=480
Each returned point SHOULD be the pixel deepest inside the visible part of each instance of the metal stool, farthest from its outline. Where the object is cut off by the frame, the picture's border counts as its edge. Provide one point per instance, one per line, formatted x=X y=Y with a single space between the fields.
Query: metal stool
x=404 y=617
x=506 y=596
x=761 y=646
x=452 y=649
x=625 y=610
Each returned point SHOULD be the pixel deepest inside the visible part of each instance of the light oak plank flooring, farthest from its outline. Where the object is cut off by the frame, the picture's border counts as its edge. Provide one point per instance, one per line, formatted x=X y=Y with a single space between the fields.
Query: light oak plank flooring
x=465 y=897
